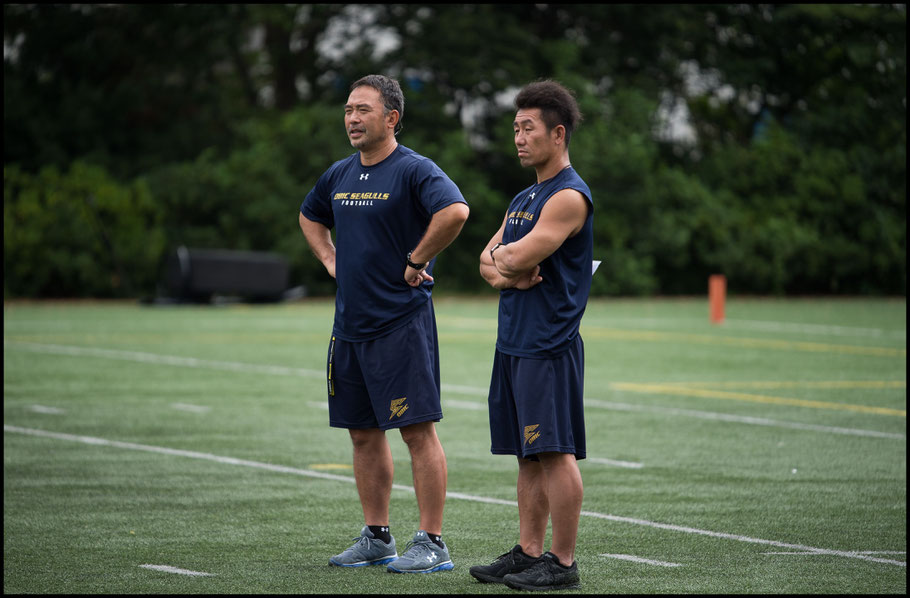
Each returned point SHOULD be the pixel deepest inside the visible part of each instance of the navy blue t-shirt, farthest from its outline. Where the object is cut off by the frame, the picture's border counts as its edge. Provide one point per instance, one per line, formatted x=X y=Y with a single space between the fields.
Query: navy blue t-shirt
x=379 y=214
x=542 y=321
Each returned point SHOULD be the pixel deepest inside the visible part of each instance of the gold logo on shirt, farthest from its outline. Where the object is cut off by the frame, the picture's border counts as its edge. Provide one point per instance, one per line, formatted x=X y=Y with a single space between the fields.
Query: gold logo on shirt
x=360 y=196
x=398 y=407
x=525 y=215
x=531 y=433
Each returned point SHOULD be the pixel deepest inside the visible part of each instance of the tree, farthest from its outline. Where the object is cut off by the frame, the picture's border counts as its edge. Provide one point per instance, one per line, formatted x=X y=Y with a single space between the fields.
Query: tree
x=792 y=178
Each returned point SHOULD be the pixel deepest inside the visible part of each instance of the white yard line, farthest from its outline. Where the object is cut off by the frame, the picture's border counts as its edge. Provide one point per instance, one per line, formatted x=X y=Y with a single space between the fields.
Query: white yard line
x=820 y=329
x=736 y=324
x=793 y=553
x=747 y=539
x=191 y=408
x=638 y=559
x=455 y=495
x=46 y=410
x=469 y=405
x=742 y=419
x=454 y=388
x=177 y=570
x=615 y=463
x=157 y=359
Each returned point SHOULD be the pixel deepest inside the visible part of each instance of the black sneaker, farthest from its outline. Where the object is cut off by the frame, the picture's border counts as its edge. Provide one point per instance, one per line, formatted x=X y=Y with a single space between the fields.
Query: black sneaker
x=514 y=561
x=546 y=574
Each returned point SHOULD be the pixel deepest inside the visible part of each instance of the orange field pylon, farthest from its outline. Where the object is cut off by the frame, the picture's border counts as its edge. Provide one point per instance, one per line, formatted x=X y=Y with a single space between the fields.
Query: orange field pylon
x=717 y=297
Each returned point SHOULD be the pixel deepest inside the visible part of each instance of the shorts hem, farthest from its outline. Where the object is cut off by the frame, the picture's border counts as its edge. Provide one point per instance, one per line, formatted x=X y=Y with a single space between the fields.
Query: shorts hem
x=433 y=417
x=579 y=455
x=346 y=426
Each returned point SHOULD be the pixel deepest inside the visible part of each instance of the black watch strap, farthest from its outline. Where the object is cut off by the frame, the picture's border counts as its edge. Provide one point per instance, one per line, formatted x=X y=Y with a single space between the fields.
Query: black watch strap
x=413 y=265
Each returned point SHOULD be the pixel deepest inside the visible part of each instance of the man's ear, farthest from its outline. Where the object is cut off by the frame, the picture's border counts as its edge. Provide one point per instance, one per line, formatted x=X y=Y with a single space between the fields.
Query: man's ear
x=393 y=117
x=559 y=134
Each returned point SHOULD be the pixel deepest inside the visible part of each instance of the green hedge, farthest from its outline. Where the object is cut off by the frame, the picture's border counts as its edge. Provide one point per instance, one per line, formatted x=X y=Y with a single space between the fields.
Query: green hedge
x=78 y=234
x=773 y=216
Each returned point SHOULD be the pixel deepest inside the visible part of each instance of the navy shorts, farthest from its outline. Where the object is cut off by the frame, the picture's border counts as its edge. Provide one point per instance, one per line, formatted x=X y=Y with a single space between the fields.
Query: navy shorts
x=537 y=405
x=388 y=382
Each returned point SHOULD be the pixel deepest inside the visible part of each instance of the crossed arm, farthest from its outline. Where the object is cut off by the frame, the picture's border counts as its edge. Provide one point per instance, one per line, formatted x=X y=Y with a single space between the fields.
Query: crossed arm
x=517 y=264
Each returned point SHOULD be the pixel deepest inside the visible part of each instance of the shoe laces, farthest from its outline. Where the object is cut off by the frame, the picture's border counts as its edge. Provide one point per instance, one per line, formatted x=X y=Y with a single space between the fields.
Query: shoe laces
x=511 y=556
x=419 y=546
x=540 y=564
x=364 y=541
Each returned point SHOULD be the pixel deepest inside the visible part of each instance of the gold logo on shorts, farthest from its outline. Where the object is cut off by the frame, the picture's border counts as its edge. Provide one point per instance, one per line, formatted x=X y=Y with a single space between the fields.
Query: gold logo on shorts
x=531 y=433
x=398 y=407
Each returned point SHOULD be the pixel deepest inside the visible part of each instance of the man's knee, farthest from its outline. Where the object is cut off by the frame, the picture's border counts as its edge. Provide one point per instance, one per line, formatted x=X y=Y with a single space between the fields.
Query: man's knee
x=367 y=439
x=557 y=461
x=419 y=436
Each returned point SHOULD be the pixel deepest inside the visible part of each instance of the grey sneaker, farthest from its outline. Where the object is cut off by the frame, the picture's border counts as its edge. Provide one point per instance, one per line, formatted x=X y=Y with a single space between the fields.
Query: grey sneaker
x=367 y=550
x=546 y=574
x=422 y=556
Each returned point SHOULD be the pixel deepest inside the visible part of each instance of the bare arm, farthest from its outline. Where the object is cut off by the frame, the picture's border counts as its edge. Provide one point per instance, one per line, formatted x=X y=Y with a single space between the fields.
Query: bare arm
x=494 y=278
x=562 y=217
x=443 y=228
x=319 y=238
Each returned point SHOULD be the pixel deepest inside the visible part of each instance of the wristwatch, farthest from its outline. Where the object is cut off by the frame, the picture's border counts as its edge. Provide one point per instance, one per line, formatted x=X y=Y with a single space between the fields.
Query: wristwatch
x=413 y=265
x=494 y=248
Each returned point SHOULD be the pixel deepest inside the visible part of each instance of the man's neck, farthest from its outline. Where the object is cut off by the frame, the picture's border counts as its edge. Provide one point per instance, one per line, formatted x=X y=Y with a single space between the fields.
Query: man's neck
x=552 y=167
x=377 y=154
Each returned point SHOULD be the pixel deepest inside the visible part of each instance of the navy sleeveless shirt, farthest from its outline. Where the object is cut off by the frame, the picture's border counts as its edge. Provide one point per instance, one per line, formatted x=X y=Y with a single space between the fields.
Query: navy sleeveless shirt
x=542 y=321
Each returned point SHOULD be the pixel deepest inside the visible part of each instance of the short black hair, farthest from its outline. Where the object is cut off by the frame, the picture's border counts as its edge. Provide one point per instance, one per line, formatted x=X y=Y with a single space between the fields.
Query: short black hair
x=390 y=92
x=556 y=102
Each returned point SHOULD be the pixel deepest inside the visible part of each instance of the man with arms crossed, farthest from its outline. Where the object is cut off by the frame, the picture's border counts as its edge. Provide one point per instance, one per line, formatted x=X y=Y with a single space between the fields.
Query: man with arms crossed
x=393 y=211
x=541 y=259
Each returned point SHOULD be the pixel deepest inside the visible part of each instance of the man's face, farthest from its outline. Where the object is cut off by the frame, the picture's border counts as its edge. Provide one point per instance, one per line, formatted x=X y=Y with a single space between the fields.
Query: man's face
x=534 y=143
x=365 y=120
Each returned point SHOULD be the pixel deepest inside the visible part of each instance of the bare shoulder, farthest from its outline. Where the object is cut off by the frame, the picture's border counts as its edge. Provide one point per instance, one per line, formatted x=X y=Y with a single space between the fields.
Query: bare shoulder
x=566 y=205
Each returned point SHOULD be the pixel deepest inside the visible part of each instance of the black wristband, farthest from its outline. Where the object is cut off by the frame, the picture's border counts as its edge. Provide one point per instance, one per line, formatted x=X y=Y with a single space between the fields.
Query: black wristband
x=494 y=248
x=413 y=265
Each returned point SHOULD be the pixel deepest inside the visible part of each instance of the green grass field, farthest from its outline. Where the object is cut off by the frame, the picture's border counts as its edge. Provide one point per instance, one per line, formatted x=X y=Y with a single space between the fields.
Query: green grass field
x=763 y=455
